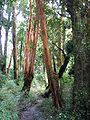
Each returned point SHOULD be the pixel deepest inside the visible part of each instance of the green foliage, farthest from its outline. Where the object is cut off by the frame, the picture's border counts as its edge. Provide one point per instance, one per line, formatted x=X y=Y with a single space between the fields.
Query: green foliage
x=10 y=2
x=2 y=79
x=65 y=112
x=51 y=113
x=24 y=8
x=66 y=79
x=9 y=97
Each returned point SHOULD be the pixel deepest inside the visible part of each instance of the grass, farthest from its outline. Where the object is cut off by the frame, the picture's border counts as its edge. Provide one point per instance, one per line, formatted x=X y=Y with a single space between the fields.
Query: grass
x=12 y=100
x=9 y=95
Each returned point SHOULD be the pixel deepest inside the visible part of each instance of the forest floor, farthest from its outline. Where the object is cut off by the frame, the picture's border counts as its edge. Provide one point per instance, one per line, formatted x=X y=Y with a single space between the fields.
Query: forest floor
x=38 y=108
x=14 y=105
x=30 y=111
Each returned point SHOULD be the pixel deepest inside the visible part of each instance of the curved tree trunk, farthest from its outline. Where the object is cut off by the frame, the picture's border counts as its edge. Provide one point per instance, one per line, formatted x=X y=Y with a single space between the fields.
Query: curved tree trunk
x=52 y=77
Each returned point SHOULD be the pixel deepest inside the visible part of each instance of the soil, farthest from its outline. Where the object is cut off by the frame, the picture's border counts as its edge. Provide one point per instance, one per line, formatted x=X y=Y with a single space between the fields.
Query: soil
x=30 y=112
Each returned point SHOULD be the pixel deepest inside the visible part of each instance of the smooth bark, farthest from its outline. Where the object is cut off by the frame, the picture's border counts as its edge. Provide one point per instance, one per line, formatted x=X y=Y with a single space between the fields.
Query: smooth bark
x=15 y=59
x=52 y=77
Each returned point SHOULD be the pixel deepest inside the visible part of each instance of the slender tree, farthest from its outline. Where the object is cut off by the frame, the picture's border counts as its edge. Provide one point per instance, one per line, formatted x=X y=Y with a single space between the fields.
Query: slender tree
x=52 y=77
x=7 y=27
x=8 y=69
x=1 y=15
x=15 y=59
x=60 y=61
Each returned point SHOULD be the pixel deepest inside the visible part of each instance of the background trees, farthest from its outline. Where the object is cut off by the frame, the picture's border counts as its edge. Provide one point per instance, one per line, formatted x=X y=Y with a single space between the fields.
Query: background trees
x=62 y=28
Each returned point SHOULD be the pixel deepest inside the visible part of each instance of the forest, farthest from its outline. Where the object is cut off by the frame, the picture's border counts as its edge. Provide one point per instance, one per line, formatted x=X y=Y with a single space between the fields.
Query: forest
x=44 y=59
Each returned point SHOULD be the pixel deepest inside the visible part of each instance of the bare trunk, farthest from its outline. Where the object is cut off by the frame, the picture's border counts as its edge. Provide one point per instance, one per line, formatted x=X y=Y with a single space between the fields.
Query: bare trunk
x=0 y=30
x=60 y=61
x=8 y=69
x=6 y=40
x=54 y=65
x=52 y=77
x=30 y=51
x=15 y=60
x=21 y=55
x=1 y=53
x=0 y=43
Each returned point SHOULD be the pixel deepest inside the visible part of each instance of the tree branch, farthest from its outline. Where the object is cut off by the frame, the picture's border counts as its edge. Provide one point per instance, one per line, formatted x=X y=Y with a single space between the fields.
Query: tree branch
x=60 y=49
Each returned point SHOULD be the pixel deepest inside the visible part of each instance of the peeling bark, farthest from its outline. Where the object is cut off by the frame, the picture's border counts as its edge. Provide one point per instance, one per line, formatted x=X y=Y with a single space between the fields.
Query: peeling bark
x=30 y=51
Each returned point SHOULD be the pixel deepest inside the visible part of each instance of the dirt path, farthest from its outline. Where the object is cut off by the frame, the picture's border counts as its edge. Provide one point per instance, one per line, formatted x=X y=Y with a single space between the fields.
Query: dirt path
x=31 y=112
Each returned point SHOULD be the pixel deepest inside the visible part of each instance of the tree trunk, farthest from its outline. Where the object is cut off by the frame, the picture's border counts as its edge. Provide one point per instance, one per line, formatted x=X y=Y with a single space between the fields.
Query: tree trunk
x=60 y=61
x=6 y=40
x=81 y=37
x=15 y=59
x=0 y=43
x=1 y=54
x=21 y=47
x=8 y=69
x=52 y=77
x=30 y=51
x=0 y=30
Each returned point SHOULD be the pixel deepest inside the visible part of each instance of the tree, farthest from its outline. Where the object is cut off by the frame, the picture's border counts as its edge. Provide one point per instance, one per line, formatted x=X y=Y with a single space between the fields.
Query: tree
x=1 y=54
x=52 y=77
x=14 y=38
x=30 y=50
x=0 y=29
x=8 y=69
x=6 y=23
x=80 y=12
x=7 y=27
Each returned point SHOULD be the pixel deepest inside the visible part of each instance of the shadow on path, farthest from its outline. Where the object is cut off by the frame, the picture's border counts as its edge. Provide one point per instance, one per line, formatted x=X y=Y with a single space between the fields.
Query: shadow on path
x=28 y=111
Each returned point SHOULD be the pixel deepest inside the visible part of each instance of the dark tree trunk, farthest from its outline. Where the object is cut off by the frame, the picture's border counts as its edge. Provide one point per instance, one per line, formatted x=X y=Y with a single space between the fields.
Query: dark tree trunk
x=81 y=37
x=63 y=67
x=54 y=65
x=21 y=47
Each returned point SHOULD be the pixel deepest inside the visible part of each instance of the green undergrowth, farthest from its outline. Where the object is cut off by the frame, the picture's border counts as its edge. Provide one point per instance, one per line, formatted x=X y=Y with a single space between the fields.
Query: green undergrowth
x=12 y=100
x=9 y=96
x=64 y=113
x=50 y=113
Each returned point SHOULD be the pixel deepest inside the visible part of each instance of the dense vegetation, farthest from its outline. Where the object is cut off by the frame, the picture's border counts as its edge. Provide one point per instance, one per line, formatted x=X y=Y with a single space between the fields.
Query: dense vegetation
x=45 y=59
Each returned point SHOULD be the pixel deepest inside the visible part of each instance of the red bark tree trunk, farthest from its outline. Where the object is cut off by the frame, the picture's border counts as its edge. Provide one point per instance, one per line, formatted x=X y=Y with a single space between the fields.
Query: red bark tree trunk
x=52 y=77
x=30 y=51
